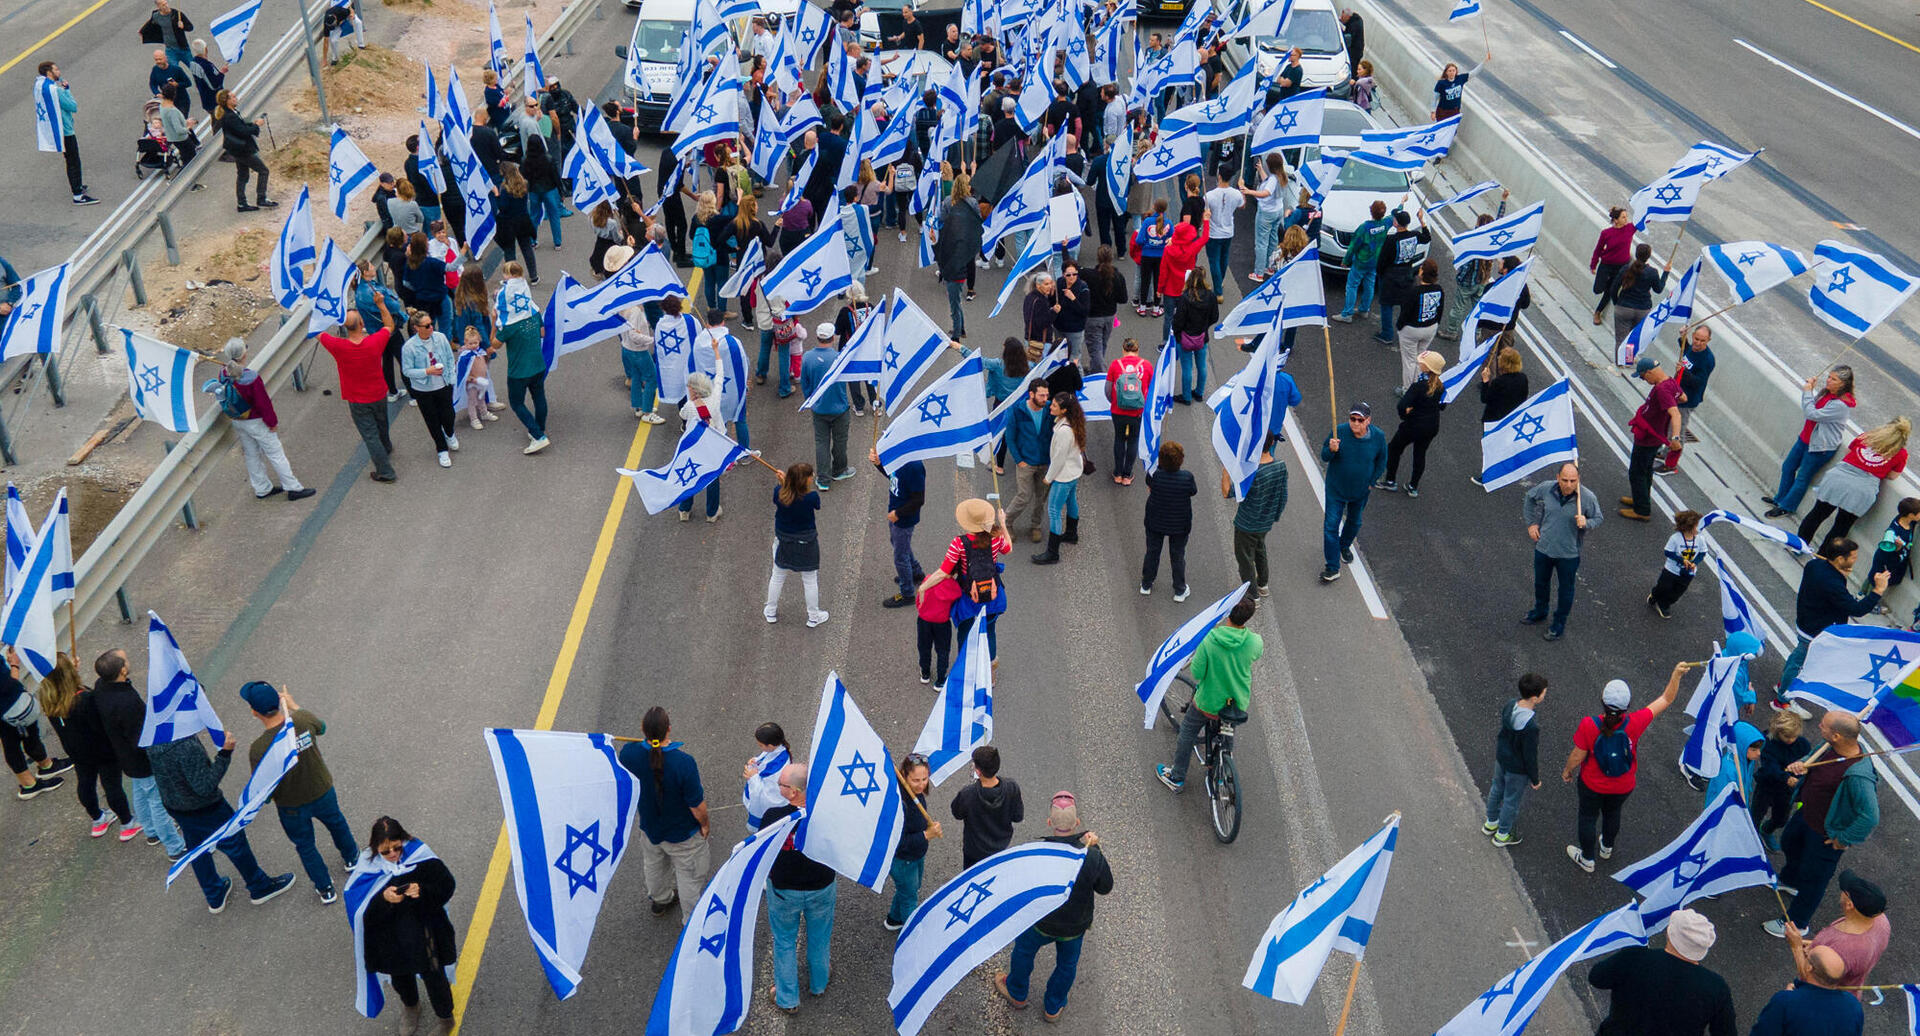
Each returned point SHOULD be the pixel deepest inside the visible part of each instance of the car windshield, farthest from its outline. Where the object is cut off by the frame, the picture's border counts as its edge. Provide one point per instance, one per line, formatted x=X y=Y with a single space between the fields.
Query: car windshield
x=1314 y=32
x=1345 y=122
x=659 y=41
x=1358 y=176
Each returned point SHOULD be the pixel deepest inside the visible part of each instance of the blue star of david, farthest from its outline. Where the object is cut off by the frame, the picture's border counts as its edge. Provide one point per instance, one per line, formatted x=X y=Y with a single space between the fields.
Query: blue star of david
x=1286 y=119
x=1016 y=204
x=1689 y=868
x=1529 y=428
x=597 y=854
x=1253 y=393
x=1425 y=140
x=669 y=342
x=863 y=769
x=1880 y=662
x=1161 y=405
x=150 y=379
x=1164 y=66
x=891 y=358
x=1216 y=107
x=1667 y=192
x=960 y=911
x=810 y=276
x=1501 y=237
x=476 y=202
x=326 y=301
x=1486 y=999
x=808 y=35
x=336 y=174
x=1842 y=280
x=704 y=113
x=32 y=310
x=1162 y=155
x=189 y=702
x=1713 y=162
x=717 y=941
x=934 y=410
x=1749 y=258
x=1077 y=45
x=688 y=470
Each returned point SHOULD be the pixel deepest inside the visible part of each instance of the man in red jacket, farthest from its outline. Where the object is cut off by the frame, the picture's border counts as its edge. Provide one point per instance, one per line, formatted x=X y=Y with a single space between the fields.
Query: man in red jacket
x=364 y=387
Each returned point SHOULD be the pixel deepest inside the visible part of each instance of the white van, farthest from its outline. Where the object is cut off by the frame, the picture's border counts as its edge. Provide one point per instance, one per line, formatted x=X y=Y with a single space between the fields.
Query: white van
x=1313 y=27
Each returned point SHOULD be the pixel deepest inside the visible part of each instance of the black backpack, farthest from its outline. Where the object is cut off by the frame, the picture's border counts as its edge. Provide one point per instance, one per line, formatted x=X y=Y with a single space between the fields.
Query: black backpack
x=976 y=575
x=1613 y=749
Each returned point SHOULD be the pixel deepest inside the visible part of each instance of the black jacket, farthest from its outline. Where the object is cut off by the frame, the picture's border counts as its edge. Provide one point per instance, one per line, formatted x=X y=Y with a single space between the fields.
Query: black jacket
x=1195 y=316
x=1639 y=294
x=1419 y=409
x=82 y=734
x=987 y=816
x=960 y=235
x=538 y=167
x=486 y=148
x=1170 y=502
x=1396 y=262
x=239 y=137
x=413 y=936
x=1518 y=751
x=1105 y=293
x=1824 y=599
x=1774 y=757
x=1073 y=307
x=1037 y=316
x=1075 y=916
x=423 y=191
x=1501 y=395
x=150 y=31
x=122 y=713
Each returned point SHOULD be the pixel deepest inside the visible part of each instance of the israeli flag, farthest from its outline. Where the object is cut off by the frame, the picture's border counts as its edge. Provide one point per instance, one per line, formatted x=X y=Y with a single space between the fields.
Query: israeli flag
x=1336 y=912
x=1032 y=259
x=462 y=366
x=1025 y=204
x=1853 y=290
x=38 y=321
x=1715 y=707
x=1501 y=238
x=1228 y=113
x=1078 y=65
x=1718 y=158
x=814 y=272
x=371 y=874
x=715 y=117
x=849 y=170
x=1293 y=297
x=476 y=191
x=331 y=290
x=1107 y=41
x=535 y=77
x=20 y=534
x=1501 y=300
x=1671 y=198
x=569 y=812
x=292 y=250
x=1036 y=96
x=177 y=704
x=1159 y=402
x=1718 y=853
x=1736 y=615
x=1786 y=539
x=1320 y=174
x=1507 y=1007
x=858 y=359
x=842 y=87
x=673 y=337
x=709 y=28
x=962 y=717
x=948 y=418
x=769 y=147
x=1175 y=153
x=348 y=172
x=1463 y=9
x=496 y=44
x=230 y=30
x=797 y=183
x=887 y=145
x=591 y=184
x=1270 y=19
x=800 y=39
x=607 y=151
x=281 y=754
x=427 y=160
x=1242 y=410
x=720 y=356
x=1467 y=195
x=1294 y=122
x=160 y=380
x=1847 y=666
x=761 y=792
x=1675 y=308
x=1119 y=164
x=459 y=113
x=1454 y=382
x=1409 y=148
x=912 y=342
x=59 y=529
x=1912 y=992
x=853 y=809
x=1751 y=267
x=26 y=623
x=1150 y=80
x=1541 y=430
x=1094 y=404
x=49 y=130
x=436 y=101
x=752 y=264
x=973 y=917
x=584 y=316
x=702 y=456
x=1174 y=654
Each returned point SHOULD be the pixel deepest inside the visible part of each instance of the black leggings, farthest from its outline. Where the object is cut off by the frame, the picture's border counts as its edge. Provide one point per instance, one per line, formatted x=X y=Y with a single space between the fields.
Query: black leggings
x=108 y=775
x=390 y=365
x=1599 y=811
x=1668 y=588
x=1842 y=524
x=439 y=993
x=523 y=243
x=242 y=165
x=21 y=746
x=436 y=409
x=1420 y=440
x=1149 y=281
x=1772 y=805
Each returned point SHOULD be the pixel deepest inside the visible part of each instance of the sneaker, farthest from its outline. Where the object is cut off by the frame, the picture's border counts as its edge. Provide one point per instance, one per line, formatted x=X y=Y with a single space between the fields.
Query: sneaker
x=153 y=839
x=275 y=491
x=1165 y=773
x=686 y=515
x=926 y=677
x=887 y=922
x=715 y=516
x=453 y=442
x=328 y=896
x=1505 y=839
x=88 y=199
x=816 y=620
x=844 y=475
x=1387 y=485
x=128 y=832
x=1329 y=575
x=1606 y=851
x=1146 y=591
x=896 y=601
x=393 y=397
x=1662 y=611
x=1489 y=828
x=55 y=767
x=237 y=208
x=1346 y=555
x=536 y=446
x=1531 y=619
x=40 y=786
x=652 y=418
x=858 y=412
x=970 y=295
x=413 y=402
x=1573 y=853
x=1663 y=472
x=266 y=203
x=659 y=908
x=278 y=885
x=1159 y=311
x=903 y=237
x=1413 y=492
x=1183 y=593
x=226 y=893
x=1261 y=589
x=1778 y=928
x=446 y=459
x=1344 y=318
x=294 y=496
x=475 y=424
x=100 y=825
x=1552 y=635
x=495 y=406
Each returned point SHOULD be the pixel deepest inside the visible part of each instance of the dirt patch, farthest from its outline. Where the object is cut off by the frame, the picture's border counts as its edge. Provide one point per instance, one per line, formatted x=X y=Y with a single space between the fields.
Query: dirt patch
x=371 y=79
x=208 y=316
x=303 y=159
x=94 y=496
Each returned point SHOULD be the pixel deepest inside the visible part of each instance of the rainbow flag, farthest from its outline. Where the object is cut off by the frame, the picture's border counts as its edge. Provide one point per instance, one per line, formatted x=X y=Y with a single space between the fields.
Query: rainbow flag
x=1896 y=710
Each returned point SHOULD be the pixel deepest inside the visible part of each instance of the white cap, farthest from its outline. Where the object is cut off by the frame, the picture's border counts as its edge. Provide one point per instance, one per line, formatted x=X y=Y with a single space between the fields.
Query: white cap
x=825 y=332
x=1616 y=695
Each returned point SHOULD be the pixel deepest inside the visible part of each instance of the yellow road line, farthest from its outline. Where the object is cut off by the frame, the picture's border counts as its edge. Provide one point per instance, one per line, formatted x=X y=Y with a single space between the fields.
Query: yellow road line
x=484 y=908
x=1842 y=15
x=54 y=35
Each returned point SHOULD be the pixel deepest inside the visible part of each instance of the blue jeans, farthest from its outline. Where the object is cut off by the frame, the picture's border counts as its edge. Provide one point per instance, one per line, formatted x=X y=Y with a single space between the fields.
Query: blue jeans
x=785 y=908
x=1217 y=262
x=1796 y=474
x=906 y=569
x=1359 y=290
x=713 y=500
x=1544 y=571
x=298 y=823
x=1193 y=373
x=430 y=213
x=1066 y=966
x=741 y=434
x=906 y=888
x=546 y=203
x=1794 y=661
x=645 y=375
x=195 y=827
x=1341 y=527
x=1387 y=330
x=895 y=205
x=957 y=291
x=1505 y=795
x=1266 y=237
x=144 y=796
x=536 y=418
x=1063 y=502
x=714 y=277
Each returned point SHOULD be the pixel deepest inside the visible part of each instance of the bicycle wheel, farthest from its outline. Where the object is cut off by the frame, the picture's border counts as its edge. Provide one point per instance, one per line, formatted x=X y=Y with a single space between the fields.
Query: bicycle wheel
x=1174 y=703
x=1226 y=800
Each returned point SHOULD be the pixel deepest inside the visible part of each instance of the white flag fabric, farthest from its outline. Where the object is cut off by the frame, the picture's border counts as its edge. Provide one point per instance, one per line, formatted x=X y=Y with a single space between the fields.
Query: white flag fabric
x=1228 y=113
x=1336 y=912
x=230 y=30
x=1718 y=853
x=715 y=116
x=853 y=793
x=1054 y=359
x=160 y=380
x=459 y=113
x=1467 y=195
x=26 y=623
x=48 y=127
x=370 y=874
x=58 y=529
x=858 y=359
x=1294 y=122
x=20 y=535
x=1501 y=300
x=702 y=456
x=1715 y=707
x=602 y=146
x=1736 y=615
x=761 y=791
x=912 y=342
x=569 y=808
x=437 y=103
x=1174 y=153
x=1670 y=198
x=1031 y=106
x=292 y=250
x=1789 y=540
x=1033 y=256
x=348 y=172
x=1025 y=203
x=1751 y=267
x=719 y=355
x=1320 y=174
x=753 y=263
x=962 y=717
x=476 y=190
x=1455 y=381
x=38 y=321
x=426 y=159
x=1507 y=1007
x=1539 y=431
x=534 y=77
x=281 y=753
x=1094 y=404
x=1294 y=296
x=177 y=705
x=1119 y=174
x=496 y=45
x=1242 y=410
x=1408 y=148
x=1675 y=308
x=1177 y=650
x=1846 y=666
x=673 y=339
x=1463 y=9
x=591 y=184
x=948 y=418
x=1159 y=402
x=973 y=917
x=1853 y=290
x=708 y=986
x=1502 y=237
x=580 y=316
x=332 y=282
x=813 y=272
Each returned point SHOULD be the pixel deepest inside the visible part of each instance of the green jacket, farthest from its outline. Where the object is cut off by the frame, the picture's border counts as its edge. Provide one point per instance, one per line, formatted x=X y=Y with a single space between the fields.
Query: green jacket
x=525 y=359
x=1855 y=810
x=1223 y=668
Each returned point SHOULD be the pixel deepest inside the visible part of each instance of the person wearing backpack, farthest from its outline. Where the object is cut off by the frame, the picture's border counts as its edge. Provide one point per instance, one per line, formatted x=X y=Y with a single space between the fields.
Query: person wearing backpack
x=973 y=561
x=1129 y=380
x=243 y=398
x=1605 y=754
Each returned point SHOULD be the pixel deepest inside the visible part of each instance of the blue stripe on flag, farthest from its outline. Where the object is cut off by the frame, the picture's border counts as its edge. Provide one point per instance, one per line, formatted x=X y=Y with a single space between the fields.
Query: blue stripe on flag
x=531 y=840
x=1305 y=931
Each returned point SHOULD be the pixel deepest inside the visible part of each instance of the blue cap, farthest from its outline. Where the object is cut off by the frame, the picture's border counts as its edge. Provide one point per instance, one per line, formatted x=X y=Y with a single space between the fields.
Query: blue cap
x=262 y=697
x=1742 y=643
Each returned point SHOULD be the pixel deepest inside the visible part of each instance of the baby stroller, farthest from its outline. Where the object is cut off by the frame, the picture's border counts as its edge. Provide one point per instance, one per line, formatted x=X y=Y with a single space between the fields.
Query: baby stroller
x=155 y=156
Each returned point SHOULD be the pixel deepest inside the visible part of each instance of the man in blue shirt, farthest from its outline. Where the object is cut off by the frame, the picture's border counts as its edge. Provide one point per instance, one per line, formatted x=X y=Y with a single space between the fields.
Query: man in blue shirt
x=830 y=418
x=672 y=813
x=1693 y=369
x=1029 y=441
x=906 y=492
x=1356 y=457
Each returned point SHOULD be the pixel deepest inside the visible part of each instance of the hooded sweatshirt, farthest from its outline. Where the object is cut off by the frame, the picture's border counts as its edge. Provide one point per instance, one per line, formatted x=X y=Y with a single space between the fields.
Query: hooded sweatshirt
x=1072 y=918
x=1517 y=749
x=1223 y=668
x=987 y=816
x=1745 y=736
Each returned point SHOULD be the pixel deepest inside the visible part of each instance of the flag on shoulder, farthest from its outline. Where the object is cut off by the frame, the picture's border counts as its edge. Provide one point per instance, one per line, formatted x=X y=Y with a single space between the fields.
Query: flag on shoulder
x=1676 y=307
x=1507 y=1007
x=1336 y=912
x=160 y=378
x=853 y=792
x=702 y=456
x=1541 y=430
x=1718 y=853
x=177 y=705
x=49 y=129
x=1242 y=410
x=569 y=814
x=370 y=874
x=1853 y=290
x=1751 y=267
x=949 y=417
x=962 y=717
x=281 y=753
x=1177 y=650
x=1502 y=237
x=38 y=321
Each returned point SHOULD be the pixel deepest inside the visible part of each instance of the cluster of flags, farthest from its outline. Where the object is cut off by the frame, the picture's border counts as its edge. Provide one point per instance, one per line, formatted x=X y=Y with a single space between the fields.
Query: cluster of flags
x=39 y=578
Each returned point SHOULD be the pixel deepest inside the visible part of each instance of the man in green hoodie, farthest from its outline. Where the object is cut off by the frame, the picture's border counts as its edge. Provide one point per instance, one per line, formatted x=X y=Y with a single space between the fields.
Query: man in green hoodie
x=1835 y=811
x=1222 y=672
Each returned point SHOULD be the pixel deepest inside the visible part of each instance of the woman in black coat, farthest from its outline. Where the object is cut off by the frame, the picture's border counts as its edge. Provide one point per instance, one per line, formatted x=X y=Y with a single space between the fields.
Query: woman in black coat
x=1502 y=393
x=240 y=140
x=1419 y=422
x=1170 y=493
x=406 y=930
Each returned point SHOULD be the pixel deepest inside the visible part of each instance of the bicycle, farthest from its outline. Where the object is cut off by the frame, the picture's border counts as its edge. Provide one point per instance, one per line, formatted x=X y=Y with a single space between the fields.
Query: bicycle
x=1215 y=752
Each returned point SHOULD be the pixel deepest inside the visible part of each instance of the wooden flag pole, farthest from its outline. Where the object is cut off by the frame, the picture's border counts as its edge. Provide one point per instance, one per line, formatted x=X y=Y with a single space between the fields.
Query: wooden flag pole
x=777 y=473
x=1676 y=244
x=1865 y=755
x=73 y=634
x=908 y=794
x=1353 y=982
x=1333 y=404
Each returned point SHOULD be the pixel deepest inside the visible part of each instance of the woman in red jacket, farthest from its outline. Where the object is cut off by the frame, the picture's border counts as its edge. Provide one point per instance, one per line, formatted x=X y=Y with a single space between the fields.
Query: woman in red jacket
x=1189 y=237
x=1611 y=254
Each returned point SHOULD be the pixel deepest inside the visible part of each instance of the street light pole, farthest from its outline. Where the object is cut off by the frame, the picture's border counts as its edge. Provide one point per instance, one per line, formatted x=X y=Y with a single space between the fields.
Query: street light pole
x=313 y=61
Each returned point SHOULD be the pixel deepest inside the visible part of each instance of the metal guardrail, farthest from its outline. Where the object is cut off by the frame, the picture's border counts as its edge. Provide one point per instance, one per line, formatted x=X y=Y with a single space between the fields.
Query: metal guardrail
x=118 y=550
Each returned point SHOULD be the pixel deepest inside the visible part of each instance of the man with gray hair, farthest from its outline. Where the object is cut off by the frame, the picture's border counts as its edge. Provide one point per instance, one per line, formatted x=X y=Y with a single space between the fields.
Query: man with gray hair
x=1837 y=806
x=1666 y=990
x=243 y=398
x=1067 y=926
x=1814 y=1005
x=797 y=887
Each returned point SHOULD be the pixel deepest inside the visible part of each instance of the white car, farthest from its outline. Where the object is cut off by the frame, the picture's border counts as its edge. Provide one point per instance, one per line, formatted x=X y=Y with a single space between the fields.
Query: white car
x=1313 y=27
x=1349 y=201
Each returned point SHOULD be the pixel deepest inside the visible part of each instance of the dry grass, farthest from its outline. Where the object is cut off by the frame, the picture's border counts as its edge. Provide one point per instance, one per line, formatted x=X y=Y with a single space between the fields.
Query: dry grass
x=302 y=158
x=372 y=79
